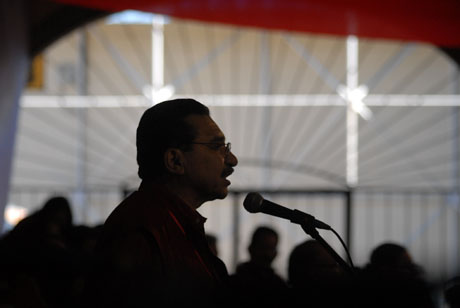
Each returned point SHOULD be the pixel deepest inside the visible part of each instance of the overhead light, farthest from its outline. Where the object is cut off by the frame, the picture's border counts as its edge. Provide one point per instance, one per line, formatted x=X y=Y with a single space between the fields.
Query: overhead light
x=14 y=214
x=136 y=18
x=159 y=95
x=355 y=98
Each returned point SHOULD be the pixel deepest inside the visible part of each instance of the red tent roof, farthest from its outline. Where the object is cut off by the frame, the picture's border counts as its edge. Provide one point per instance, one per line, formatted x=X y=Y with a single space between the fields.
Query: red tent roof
x=436 y=22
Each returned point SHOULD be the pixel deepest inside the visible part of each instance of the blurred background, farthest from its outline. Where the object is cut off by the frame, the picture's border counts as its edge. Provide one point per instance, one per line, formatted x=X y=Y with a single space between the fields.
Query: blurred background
x=360 y=131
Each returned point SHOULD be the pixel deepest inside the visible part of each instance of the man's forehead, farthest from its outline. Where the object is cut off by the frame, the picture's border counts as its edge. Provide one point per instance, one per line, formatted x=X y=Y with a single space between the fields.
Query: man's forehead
x=205 y=126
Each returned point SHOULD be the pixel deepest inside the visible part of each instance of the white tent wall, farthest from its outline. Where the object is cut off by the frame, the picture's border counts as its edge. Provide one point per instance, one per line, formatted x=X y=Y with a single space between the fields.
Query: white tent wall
x=278 y=106
x=425 y=223
x=13 y=73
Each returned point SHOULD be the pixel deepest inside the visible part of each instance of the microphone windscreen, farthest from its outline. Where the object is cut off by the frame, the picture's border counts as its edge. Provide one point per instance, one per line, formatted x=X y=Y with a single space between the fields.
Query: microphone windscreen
x=253 y=202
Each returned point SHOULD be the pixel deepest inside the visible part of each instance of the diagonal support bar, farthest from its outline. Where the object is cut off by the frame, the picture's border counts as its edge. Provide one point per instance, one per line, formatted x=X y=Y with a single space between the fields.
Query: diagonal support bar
x=206 y=60
x=133 y=75
x=314 y=63
x=391 y=64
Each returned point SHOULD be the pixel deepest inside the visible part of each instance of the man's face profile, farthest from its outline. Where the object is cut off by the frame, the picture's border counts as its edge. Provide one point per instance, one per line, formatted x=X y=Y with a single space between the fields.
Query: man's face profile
x=207 y=165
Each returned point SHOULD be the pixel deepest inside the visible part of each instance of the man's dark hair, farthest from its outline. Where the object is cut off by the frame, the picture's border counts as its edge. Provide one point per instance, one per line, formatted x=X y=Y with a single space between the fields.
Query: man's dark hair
x=163 y=126
x=262 y=232
x=387 y=254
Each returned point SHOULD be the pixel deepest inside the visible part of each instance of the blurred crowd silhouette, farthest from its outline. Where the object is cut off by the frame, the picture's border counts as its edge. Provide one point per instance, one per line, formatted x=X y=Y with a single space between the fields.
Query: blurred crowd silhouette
x=45 y=261
x=255 y=282
x=44 y=258
x=392 y=279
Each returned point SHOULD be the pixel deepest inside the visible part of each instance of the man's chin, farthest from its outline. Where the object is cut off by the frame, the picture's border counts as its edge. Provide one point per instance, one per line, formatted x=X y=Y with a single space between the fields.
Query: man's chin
x=218 y=195
x=222 y=194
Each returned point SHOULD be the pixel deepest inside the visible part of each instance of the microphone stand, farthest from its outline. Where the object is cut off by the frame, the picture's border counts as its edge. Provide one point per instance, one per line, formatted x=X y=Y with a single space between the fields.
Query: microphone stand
x=311 y=230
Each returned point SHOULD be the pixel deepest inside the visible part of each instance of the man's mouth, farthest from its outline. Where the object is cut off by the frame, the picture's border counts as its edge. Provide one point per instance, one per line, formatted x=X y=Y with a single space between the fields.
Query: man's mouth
x=227 y=172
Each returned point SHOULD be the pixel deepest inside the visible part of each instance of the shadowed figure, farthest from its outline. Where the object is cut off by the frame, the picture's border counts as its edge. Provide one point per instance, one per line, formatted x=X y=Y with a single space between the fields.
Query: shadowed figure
x=315 y=278
x=50 y=224
x=392 y=279
x=255 y=281
x=35 y=257
x=452 y=292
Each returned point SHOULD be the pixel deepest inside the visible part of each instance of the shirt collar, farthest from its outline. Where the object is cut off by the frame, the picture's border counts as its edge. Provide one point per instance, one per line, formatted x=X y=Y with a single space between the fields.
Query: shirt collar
x=184 y=212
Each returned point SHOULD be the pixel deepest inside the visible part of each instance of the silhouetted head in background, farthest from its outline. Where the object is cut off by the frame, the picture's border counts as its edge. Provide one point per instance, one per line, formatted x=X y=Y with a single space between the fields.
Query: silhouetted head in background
x=393 y=257
x=392 y=279
x=54 y=219
x=263 y=246
x=57 y=214
x=311 y=265
x=255 y=282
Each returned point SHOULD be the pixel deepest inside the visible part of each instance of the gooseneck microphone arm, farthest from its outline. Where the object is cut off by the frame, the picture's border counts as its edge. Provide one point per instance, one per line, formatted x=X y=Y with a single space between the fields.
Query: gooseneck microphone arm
x=315 y=234
x=255 y=203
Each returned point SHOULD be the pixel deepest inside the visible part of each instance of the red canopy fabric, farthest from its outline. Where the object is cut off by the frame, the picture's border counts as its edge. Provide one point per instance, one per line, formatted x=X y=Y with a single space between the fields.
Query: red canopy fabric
x=432 y=21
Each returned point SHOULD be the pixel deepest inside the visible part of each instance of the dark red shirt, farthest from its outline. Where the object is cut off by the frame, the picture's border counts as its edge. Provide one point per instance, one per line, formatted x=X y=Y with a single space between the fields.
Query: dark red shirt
x=153 y=251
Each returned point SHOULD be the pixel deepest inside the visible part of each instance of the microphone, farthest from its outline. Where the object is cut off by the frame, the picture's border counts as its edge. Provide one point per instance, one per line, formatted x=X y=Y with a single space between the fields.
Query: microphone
x=255 y=203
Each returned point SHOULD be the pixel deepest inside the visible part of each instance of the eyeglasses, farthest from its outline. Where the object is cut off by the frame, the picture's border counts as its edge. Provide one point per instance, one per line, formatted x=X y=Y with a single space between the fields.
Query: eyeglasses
x=217 y=146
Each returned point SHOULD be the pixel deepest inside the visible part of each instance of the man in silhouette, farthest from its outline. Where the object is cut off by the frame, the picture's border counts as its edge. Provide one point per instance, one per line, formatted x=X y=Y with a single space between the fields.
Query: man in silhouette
x=392 y=279
x=316 y=278
x=255 y=281
x=153 y=249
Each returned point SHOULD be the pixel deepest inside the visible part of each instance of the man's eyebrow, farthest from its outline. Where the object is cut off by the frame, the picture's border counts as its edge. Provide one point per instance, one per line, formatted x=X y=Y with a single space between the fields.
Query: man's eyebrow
x=218 y=138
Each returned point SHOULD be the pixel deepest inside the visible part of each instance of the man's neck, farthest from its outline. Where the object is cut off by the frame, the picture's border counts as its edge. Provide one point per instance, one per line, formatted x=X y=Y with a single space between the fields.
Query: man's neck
x=175 y=187
x=184 y=193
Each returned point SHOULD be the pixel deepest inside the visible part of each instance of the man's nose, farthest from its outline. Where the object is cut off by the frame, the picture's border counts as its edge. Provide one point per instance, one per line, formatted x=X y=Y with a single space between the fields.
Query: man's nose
x=231 y=159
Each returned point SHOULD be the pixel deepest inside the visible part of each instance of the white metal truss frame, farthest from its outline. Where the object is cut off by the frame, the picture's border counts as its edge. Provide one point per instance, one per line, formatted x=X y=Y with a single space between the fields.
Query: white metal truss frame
x=319 y=100
x=351 y=95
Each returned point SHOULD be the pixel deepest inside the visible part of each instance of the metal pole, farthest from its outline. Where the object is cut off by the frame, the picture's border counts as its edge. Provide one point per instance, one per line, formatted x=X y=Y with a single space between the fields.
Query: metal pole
x=82 y=63
x=236 y=230
x=264 y=88
x=157 y=53
x=352 y=116
x=352 y=134
x=80 y=195
x=14 y=62
x=348 y=218
x=455 y=196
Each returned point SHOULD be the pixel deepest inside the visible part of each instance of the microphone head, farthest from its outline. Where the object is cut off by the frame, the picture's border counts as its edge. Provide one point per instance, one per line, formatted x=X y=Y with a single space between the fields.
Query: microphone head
x=253 y=202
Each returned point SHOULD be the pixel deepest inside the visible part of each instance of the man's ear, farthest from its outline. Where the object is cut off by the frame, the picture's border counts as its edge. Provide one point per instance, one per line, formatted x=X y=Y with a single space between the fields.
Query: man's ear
x=174 y=161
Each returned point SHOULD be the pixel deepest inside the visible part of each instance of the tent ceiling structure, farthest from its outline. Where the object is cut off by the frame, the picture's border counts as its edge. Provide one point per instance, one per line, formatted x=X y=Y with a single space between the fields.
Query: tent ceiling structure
x=50 y=19
x=223 y=66
x=52 y=16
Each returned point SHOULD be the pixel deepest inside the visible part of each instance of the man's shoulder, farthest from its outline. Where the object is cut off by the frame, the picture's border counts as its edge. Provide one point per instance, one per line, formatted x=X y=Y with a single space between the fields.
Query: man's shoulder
x=139 y=209
x=138 y=215
x=131 y=225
